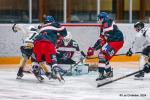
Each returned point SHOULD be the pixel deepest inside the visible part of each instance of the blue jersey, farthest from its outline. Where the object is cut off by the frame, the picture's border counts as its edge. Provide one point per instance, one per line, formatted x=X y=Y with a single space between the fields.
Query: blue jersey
x=49 y=32
x=111 y=31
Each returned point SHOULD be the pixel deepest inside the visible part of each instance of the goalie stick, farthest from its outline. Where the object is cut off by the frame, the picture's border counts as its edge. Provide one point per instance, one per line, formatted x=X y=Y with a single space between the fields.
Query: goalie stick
x=83 y=54
x=122 y=77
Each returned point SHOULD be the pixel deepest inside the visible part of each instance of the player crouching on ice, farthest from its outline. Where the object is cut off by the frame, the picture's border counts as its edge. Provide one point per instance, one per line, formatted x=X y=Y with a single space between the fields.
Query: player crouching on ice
x=29 y=33
x=110 y=41
x=141 y=42
x=69 y=56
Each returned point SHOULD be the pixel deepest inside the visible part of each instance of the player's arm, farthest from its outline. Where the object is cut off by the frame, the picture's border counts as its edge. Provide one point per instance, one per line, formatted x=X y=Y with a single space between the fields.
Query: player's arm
x=136 y=44
x=60 y=29
x=30 y=37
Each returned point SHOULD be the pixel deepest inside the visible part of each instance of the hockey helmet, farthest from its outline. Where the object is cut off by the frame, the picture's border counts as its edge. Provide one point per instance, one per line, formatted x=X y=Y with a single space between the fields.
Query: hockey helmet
x=31 y=28
x=67 y=38
x=49 y=19
x=103 y=15
x=138 y=26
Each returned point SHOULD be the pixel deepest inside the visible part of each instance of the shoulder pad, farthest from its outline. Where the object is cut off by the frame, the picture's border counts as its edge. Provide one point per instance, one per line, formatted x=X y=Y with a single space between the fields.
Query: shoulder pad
x=56 y=25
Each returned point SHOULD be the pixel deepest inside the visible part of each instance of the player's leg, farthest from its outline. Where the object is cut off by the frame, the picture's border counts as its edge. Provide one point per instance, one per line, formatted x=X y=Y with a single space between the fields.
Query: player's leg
x=108 y=70
x=38 y=52
x=23 y=62
x=109 y=51
x=55 y=70
x=101 y=66
x=147 y=66
x=36 y=69
x=26 y=53
x=141 y=62
x=144 y=62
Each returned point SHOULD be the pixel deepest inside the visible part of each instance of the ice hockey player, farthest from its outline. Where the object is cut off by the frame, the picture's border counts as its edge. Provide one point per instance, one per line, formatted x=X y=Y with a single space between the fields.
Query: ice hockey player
x=45 y=46
x=110 y=41
x=141 y=42
x=69 y=54
x=68 y=51
x=29 y=33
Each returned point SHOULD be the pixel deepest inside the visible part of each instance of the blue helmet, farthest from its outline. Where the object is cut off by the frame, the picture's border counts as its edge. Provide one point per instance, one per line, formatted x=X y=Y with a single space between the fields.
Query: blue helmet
x=49 y=19
x=103 y=15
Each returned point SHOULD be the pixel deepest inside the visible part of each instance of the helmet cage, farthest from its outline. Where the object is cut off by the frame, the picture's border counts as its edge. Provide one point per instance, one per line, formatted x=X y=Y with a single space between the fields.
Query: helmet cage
x=138 y=26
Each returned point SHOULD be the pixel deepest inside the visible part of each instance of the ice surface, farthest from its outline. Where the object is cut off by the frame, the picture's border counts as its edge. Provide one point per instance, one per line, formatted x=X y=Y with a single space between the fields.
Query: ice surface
x=81 y=87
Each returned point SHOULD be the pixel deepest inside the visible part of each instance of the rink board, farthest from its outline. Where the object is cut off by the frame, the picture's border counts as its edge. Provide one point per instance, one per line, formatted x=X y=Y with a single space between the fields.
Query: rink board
x=16 y=60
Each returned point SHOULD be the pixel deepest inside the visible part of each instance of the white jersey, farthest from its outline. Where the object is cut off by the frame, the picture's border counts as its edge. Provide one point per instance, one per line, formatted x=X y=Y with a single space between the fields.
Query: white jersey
x=28 y=35
x=142 y=40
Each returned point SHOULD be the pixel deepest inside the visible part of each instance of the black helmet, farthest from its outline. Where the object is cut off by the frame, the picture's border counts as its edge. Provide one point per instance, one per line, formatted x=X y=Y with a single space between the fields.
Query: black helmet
x=139 y=25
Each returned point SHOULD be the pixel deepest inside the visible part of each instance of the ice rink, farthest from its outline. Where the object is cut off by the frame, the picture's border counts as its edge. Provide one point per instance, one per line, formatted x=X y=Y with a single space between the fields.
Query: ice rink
x=81 y=87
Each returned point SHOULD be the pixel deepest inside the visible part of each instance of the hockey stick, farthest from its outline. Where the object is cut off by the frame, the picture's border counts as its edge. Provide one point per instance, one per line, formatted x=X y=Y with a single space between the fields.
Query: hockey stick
x=125 y=54
x=83 y=54
x=111 y=81
x=114 y=55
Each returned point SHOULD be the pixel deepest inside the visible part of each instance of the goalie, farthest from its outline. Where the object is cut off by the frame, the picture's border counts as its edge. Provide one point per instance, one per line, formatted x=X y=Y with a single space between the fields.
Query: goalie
x=68 y=53
x=141 y=42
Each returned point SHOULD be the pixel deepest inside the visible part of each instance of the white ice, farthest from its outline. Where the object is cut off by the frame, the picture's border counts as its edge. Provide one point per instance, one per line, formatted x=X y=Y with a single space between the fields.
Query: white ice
x=81 y=87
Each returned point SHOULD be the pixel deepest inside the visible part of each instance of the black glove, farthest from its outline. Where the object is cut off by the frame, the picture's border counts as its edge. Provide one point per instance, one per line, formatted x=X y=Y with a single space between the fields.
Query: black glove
x=129 y=52
x=146 y=68
x=13 y=28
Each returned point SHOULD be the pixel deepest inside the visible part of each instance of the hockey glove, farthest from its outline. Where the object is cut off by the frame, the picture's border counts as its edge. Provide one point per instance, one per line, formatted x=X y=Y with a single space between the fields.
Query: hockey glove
x=146 y=68
x=90 y=51
x=129 y=52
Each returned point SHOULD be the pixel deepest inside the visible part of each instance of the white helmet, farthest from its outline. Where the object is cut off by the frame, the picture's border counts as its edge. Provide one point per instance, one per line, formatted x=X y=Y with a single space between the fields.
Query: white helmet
x=67 y=38
x=31 y=28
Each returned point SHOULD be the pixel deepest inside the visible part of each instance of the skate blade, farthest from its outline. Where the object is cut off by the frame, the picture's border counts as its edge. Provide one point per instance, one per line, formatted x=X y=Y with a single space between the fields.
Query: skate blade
x=103 y=81
x=40 y=79
x=59 y=78
x=138 y=78
x=18 y=77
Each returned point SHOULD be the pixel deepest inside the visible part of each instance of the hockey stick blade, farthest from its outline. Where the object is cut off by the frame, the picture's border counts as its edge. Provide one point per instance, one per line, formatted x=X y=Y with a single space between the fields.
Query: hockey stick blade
x=83 y=54
x=111 y=81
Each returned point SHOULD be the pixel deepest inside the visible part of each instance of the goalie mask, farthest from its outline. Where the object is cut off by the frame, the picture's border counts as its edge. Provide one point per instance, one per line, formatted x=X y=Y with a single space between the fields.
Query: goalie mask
x=138 y=26
x=67 y=38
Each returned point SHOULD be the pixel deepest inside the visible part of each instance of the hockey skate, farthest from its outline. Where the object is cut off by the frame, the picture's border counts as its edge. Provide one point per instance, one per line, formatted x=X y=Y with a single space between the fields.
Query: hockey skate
x=49 y=75
x=101 y=77
x=36 y=71
x=56 y=74
x=139 y=76
x=20 y=73
x=109 y=74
